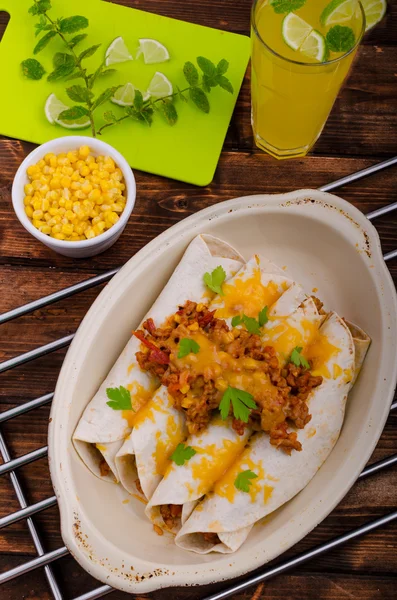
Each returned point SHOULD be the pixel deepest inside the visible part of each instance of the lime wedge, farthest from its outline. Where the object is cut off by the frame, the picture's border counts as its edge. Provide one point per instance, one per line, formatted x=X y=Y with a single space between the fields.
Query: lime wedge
x=338 y=11
x=53 y=108
x=160 y=86
x=125 y=95
x=117 y=52
x=374 y=11
x=315 y=46
x=153 y=51
x=295 y=31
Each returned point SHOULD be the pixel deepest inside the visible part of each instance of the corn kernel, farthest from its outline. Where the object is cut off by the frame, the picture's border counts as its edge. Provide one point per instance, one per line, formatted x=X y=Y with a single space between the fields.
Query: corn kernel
x=29 y=189
x=113 y=218
x=99 y=227
x=29 y=211
x=193 y=326
x=72 y=156
x=62 y=202
x=31 y=170
x=59 y=236
x=185 y=389
x=56 y=228
x=65 y=182
x=84 y=171
x=53 y=161
x=38 y=214
x=37 y=223
x=27 y=200
x=84 y=151
x=67 y=229
x=46 y=229
x=89 y=233
x=55 y=184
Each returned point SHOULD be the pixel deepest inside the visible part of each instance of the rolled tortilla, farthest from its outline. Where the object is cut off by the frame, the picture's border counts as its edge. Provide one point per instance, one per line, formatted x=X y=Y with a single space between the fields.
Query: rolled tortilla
x=362 y=342
x=101 y=430
x=230 y=512
x=162 y=427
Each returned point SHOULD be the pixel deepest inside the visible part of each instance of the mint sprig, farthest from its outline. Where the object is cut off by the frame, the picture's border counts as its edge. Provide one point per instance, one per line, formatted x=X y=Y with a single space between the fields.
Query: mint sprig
x=340 y=38
x=286 y=6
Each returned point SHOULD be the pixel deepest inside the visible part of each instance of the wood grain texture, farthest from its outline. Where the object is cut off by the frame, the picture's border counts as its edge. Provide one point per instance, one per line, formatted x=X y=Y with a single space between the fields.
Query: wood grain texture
x=361 y=131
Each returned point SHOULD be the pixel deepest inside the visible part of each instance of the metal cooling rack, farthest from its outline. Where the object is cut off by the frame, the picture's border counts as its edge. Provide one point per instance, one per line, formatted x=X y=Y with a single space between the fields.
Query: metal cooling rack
x=26 y=511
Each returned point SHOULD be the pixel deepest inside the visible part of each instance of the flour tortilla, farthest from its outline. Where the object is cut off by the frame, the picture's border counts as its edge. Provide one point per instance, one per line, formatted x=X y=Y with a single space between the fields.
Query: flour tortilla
x=101 y=430
x=165 y=427
x=230 y=512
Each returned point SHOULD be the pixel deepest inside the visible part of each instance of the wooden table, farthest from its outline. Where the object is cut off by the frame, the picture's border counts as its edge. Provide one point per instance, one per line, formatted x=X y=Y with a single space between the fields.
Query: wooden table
x=360 y=131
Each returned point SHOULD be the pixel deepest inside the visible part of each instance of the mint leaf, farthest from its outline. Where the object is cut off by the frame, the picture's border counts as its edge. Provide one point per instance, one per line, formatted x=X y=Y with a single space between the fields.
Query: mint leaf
x=242 y=403
x=40 y=7
x=191 y=74
x=214 y=280
x=73 y=24
x=225 y=84
x=181 y=454
x=78 y=93
x=297 y=359
x=200 y=99
x=76 y=75
x=138 y=100
x=186 y=346
x=74 y=113
x=340 y=38
x=64 y=65
x=106 y=95
x=119 y=398
x=222 y=66
x=181 y=96
x=243 y=480
x=32 y=69
x=42 y=43
x=107 y=72
x=263 y=316
x=89 y=52
x=169 y=111
x=109 y=116
x=77 y=39
x=286 y=6
x=207 y=67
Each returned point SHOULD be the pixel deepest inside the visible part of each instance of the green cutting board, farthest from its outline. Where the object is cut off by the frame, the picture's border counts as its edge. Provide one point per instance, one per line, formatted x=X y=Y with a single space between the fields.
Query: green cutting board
x=188 y=151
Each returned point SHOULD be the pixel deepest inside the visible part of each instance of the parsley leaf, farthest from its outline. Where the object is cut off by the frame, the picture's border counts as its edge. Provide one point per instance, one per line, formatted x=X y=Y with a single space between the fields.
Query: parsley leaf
x=214 y=280
x=340 y=38
x=119 y=398
x=241 y=401
x=186 y=346
x=263 y=316
x=236 y=321
x=286 y=6
x=181 y=454
x=243 y=480
x=297 y=359
x=251 y=324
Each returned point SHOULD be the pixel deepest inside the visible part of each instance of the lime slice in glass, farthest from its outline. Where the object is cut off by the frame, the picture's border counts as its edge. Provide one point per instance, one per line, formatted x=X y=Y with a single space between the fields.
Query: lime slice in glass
x=315 y=46
x=153 y=51
x=117 y=52
x=374 y=11
x=338 y=11
x=295 y=30
x=125 y=95
x=160 y=86
x=53 y=108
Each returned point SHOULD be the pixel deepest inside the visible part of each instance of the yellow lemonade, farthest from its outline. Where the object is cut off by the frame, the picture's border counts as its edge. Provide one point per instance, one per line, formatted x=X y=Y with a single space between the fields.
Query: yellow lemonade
x=300 y=58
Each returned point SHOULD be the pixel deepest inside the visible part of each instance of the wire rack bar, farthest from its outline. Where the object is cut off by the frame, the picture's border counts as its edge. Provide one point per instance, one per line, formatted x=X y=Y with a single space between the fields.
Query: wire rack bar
x=13 y=464
x=56 y=296
x=378 y=466
x=27 y=512
x=40 y=561
x=359 y=175
x=97 y=593
x=25 y=407
x=36 y=353
x=304 y=557
x=390 y=255
x=56 y=592
x=380 y=212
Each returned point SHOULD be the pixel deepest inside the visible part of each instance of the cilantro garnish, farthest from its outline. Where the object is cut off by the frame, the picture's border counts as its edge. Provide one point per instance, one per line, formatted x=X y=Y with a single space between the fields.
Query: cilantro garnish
x=243 y=480
x=242 y=403
x=120 y=398
x=252 y=325
x=297 y=359
x=214 y=280
x=182 y=453
x=286 y=6
x=186 y=346
x=263 y=316
x=340 y=38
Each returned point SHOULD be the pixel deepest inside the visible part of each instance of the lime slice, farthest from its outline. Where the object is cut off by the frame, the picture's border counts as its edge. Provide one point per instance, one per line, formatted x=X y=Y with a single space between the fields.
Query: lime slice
x=117 y=52
x=53 y=108
x=153 y=51
x=315 y=46
x=295 y=31
x=125 y=95
x=338 y=11
x=374 y=11
x=160 y=86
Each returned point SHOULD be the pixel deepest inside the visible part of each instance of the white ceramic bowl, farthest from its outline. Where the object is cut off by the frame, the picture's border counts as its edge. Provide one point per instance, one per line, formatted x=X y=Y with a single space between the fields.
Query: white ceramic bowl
x=327 y=244
x=83 y=248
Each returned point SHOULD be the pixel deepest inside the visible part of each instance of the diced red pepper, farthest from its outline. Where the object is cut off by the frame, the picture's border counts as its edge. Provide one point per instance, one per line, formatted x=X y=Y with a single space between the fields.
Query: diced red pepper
x=150 y=326
x=156 y=354
x=204 y=320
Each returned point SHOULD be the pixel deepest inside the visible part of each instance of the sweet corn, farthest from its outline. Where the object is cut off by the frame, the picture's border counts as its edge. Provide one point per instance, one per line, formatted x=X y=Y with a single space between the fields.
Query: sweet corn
x=75 y=195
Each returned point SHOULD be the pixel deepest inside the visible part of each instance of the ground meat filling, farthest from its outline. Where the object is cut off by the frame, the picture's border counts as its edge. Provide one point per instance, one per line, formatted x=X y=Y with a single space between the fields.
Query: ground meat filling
x=104 y=468
x=199 y=394
x=171 y=514
x=211 y=538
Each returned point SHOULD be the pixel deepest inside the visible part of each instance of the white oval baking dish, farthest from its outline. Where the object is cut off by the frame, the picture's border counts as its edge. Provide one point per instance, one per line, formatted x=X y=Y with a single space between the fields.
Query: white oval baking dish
x=325 y=243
